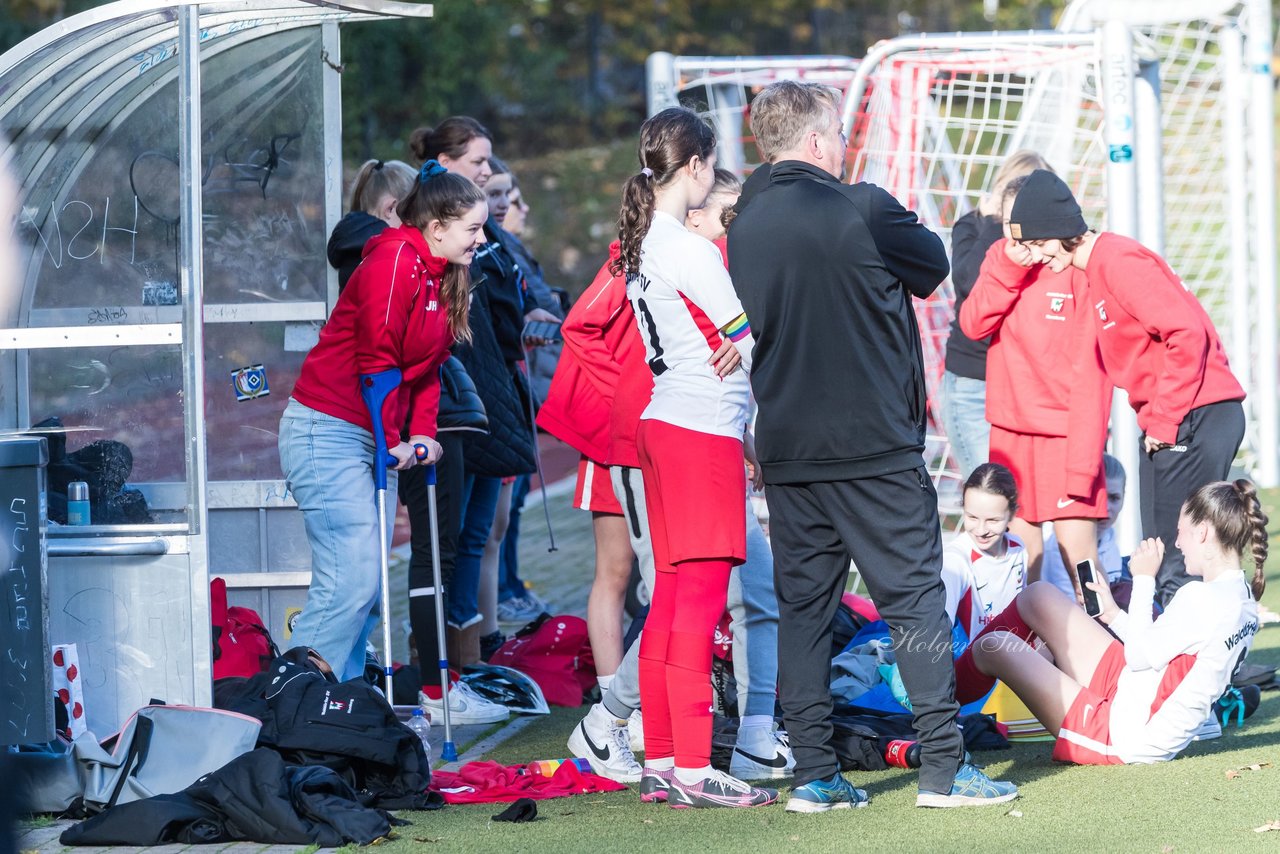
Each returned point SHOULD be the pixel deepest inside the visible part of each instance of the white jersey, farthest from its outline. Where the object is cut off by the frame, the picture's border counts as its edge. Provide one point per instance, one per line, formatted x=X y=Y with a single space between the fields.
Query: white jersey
x=683 y=297
x=1178 y=665
x=1054 y=571
x=979 y=585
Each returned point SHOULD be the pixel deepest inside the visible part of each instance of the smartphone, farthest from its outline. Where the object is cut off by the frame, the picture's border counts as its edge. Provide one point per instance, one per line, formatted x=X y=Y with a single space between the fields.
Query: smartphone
x=1092 y=606
x=543 y=329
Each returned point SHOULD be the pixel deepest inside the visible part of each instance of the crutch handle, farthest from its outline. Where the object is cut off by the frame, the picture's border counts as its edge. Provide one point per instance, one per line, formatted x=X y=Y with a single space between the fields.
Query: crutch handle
x=374 y=389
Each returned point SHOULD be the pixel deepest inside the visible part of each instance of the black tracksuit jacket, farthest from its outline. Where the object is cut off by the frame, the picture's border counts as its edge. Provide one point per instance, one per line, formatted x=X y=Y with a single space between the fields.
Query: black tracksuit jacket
x=826 y=272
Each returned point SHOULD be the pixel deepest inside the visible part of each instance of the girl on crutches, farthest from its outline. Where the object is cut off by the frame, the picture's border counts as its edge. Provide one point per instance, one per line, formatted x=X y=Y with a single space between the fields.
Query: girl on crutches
x=403 y=308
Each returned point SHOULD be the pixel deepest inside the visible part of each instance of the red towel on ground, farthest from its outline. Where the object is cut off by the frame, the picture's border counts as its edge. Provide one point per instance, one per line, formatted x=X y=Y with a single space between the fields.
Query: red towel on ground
x=489 y=782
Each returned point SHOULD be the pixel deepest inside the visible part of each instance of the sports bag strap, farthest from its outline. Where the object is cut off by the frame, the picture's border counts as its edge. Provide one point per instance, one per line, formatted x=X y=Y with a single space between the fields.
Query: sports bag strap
x=136 y=756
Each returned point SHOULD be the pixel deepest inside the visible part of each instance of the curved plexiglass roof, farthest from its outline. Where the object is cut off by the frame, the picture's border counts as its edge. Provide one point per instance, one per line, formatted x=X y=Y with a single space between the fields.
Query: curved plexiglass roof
x=96 y=63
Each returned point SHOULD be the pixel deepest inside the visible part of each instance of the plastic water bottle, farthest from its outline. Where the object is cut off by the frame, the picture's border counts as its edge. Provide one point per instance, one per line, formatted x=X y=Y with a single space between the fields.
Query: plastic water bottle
x=903 y=754
x=421 y=726
x=548 y=767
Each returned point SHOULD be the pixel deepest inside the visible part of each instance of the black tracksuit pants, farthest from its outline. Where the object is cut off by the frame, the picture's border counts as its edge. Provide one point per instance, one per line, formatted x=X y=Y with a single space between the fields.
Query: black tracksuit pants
x=889 y=526
x=1208 y=439
x=422 y=591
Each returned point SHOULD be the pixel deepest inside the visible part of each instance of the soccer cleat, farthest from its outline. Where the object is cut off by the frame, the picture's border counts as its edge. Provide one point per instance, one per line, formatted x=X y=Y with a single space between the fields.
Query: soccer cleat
x=603 y=742
x=773 y=762
x=971 y=788
x=655 y=785
x=465 y=707
x=833 y=793
x=718 y=789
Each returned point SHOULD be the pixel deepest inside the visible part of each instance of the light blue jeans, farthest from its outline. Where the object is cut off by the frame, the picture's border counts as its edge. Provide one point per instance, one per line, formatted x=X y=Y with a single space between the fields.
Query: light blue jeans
x=752 y=606
x=328 y=465
x=964 y=417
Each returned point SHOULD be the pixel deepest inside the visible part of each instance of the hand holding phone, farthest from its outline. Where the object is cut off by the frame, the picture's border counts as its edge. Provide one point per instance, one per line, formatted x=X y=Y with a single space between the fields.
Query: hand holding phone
x=539 y=332
x=1092 y=605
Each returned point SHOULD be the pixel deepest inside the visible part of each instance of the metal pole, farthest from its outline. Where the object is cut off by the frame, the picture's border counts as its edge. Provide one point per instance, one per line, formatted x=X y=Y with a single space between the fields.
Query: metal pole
x=1239 y=348
x=660 y=82
x=1263 y=178
x=1122 y=218
x=331 y=89
x=727 y=109
x=191 y=274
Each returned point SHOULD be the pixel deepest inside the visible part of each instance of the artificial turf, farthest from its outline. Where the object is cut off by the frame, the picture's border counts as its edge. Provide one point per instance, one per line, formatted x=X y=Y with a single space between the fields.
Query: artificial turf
x=1188 y=805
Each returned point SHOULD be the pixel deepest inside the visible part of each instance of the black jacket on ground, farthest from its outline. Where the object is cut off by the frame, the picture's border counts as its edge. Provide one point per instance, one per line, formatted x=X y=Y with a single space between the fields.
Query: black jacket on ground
x=346 y=244
x=826 y=272
x=310 y=719
x=971 y=237
x=255 y=797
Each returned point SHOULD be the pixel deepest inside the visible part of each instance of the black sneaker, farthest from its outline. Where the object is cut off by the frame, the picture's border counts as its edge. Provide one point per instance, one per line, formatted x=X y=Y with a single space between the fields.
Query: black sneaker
x=718 y=790
x=491 y=643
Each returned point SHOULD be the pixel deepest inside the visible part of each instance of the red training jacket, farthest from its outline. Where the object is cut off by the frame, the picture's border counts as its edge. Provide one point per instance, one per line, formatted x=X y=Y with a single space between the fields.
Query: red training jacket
x=1044 y=371
x=389 y=316
x=602 y=382
x=1157 y=341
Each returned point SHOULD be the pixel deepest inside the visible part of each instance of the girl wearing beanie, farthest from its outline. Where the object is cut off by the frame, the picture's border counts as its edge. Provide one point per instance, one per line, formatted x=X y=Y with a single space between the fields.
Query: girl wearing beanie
x=1049 y=398
x=1156 y=342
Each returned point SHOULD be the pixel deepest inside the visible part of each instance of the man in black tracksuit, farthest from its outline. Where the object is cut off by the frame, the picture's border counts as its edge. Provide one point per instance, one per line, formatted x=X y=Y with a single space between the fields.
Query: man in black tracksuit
x=826 y=272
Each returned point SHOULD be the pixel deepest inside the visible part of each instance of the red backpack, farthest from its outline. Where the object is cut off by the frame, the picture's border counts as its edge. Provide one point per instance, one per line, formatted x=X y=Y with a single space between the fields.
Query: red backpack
x=555 y=653
x=242 y=646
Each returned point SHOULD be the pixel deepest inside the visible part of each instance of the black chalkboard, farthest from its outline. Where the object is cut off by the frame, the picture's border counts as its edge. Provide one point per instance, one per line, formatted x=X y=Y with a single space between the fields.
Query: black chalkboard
x=26 y=689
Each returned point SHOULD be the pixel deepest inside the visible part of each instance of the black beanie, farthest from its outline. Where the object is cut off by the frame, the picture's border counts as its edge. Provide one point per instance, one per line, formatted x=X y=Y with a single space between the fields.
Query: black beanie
x=1044 y=209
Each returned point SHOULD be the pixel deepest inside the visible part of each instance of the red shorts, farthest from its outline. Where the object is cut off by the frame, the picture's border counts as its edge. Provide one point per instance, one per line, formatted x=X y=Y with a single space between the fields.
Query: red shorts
x=594 y=491
x=695 y=486
x=1039 y=465
x=1085 y=737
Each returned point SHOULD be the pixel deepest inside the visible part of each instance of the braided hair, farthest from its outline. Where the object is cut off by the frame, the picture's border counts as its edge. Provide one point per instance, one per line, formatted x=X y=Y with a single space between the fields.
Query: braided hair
x=1235 y=514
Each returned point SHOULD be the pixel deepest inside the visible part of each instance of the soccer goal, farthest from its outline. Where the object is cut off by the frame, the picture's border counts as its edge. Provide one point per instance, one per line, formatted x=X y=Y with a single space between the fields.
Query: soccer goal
x=1184 y=164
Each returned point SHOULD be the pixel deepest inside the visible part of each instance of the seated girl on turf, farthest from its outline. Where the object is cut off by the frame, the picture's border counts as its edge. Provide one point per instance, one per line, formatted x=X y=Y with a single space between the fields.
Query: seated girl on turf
x=984 y=567
x=1139 y=699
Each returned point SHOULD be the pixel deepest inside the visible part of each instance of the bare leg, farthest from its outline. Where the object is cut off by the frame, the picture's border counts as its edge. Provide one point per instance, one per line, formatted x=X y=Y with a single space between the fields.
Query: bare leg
x=1075 y=639
x=1077 y=541
x=489 y=562
x=1047 y=691
x=1033 y=539
x=608 y=590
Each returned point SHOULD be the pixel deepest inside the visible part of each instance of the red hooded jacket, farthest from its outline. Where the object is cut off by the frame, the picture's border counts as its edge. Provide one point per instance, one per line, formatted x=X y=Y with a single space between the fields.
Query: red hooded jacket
x=1044 y=371
x=602 y=383
x=1157 y=341
x=389 y=316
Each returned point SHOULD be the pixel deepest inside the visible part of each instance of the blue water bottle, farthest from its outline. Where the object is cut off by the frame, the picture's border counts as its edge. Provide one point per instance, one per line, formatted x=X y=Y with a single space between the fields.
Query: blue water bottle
x=78 y=503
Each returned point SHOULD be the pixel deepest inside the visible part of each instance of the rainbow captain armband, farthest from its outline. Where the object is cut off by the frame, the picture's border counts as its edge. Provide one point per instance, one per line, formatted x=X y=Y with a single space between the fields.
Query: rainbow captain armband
x=738 y=328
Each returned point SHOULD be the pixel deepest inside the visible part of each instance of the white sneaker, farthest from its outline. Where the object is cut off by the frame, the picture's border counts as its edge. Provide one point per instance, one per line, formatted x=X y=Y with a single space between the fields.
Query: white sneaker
x=635 y=724
x=518 y=610
x=770 y=759
x=603 y=742
x=465 y=707
x=1208 y=730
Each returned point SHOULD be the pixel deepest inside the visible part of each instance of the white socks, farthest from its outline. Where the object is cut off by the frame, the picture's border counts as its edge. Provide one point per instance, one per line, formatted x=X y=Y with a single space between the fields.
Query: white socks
x=689 y=776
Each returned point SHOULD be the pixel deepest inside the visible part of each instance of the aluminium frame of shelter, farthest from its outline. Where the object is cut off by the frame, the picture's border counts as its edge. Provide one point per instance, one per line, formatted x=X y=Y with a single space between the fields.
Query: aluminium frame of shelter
x=178 y=168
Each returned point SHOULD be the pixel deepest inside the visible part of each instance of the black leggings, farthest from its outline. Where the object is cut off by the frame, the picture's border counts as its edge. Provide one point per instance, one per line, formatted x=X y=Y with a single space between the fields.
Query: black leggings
x=422 y=592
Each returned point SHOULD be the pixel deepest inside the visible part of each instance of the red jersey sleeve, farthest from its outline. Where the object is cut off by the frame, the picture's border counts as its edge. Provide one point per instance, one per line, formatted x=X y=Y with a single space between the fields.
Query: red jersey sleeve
x=387 y=291
x=1090 y=396
x=424 y=404
x=1000 y=283
x=1149 y=291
